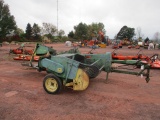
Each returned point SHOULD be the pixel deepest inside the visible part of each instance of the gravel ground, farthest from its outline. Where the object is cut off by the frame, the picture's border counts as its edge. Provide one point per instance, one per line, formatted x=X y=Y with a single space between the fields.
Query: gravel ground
x=124 y=97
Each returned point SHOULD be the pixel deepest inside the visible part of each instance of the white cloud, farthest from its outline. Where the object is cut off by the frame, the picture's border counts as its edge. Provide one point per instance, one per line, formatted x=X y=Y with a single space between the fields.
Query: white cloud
x=114 y=14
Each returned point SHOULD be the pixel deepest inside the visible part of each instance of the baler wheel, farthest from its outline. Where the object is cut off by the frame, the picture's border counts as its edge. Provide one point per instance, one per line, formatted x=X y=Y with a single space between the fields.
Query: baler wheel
x=81 y=81
x=52 y=84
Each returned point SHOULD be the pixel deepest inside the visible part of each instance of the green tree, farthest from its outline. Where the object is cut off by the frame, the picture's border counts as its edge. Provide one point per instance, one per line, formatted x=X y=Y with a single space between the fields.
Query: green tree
x=61 y=33
x=81 y=30
x=36 y=31
x=28 y=31
x=19 y=35
x=7 y=22
x=71 y=34
x=94 y=29
x=18 y=31
x=146 y=40
x=126 y=32
x=84 y=31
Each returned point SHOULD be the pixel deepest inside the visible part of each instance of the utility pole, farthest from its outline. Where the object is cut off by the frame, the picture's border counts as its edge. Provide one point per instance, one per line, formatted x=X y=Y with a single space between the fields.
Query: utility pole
x=57 y=17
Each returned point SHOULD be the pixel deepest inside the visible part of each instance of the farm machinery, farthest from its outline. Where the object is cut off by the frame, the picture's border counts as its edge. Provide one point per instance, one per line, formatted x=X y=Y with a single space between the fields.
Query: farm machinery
x=74 y=70
x=21 y=50
x=27 y=55
x=154 y=61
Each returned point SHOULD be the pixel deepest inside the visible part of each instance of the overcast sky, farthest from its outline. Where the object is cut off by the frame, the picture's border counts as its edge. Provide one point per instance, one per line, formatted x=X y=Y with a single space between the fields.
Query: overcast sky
x=114 y=14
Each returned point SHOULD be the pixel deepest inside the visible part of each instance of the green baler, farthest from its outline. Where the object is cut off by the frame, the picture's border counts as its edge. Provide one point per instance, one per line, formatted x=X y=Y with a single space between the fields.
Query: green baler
x=74 y=70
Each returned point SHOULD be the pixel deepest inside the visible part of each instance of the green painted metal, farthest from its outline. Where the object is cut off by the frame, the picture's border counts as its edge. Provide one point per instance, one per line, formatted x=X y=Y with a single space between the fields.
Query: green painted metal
x=69 y=63
x=127 y=62
x=65 y=66
x=52 y=65
x=69 y=66
x=42 y=50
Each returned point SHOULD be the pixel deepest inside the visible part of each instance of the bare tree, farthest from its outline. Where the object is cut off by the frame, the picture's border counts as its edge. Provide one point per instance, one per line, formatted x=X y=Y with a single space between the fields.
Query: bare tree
x=157 y=37
x=49 y=28
x=61 y=32
x=139 y=33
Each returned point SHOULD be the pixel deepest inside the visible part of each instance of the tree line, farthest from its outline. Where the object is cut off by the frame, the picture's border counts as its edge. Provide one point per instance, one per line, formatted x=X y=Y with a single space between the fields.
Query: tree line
x=9 y=30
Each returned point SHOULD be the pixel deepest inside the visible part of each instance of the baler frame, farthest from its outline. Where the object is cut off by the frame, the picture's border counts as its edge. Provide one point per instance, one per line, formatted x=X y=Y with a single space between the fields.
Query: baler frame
x=75 y=70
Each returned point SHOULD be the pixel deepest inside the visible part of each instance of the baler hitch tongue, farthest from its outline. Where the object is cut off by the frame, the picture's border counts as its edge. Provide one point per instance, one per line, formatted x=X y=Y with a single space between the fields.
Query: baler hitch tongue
x=147 y=67
x=147 y=79
x=144 y=67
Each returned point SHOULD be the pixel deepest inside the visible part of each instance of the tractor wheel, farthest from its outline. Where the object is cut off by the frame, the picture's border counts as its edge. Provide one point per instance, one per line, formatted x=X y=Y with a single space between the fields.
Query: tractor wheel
x=52 y=84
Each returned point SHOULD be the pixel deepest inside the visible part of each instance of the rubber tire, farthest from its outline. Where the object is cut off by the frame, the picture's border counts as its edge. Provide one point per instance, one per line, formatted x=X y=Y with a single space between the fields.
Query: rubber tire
x=59 y=82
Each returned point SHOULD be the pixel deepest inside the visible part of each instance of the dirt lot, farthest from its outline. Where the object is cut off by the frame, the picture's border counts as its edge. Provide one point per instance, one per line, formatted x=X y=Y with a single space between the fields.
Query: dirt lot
x=128 y=97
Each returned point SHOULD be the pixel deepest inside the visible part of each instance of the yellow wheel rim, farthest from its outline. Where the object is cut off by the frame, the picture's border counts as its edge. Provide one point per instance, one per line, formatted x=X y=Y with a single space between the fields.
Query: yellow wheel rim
x=51 y=84
x=81 y=81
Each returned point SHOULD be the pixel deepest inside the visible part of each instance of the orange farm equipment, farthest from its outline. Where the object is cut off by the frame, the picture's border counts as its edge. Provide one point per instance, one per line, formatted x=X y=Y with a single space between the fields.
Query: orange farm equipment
x=154 y=61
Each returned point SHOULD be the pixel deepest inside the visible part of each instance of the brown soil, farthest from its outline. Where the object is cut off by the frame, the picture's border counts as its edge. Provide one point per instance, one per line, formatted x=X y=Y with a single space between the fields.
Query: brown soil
x=128 y=97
